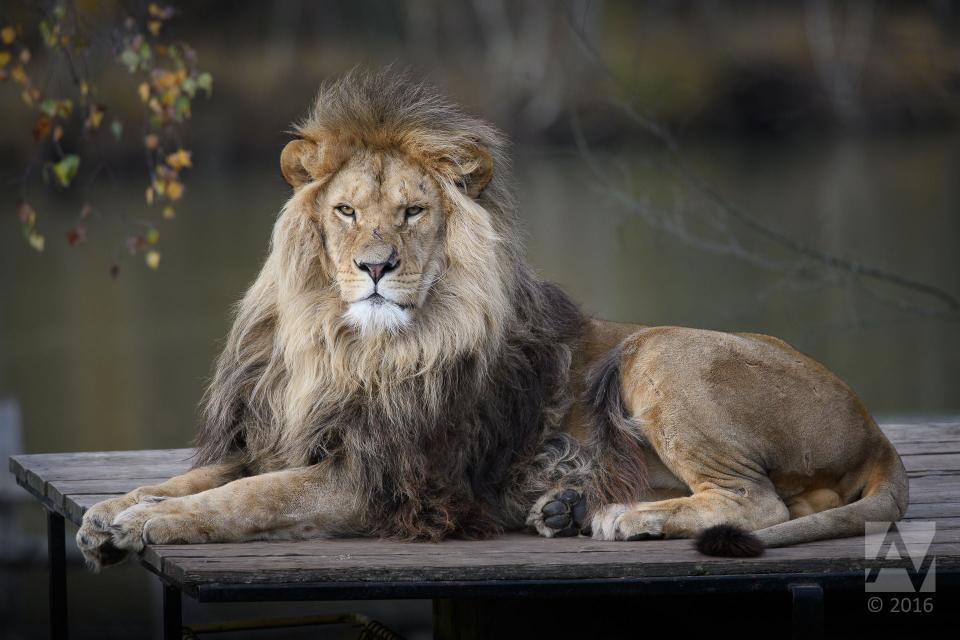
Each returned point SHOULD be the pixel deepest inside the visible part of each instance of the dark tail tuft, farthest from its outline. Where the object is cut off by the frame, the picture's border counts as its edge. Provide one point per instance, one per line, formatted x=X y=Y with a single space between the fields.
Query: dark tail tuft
x=729 y=541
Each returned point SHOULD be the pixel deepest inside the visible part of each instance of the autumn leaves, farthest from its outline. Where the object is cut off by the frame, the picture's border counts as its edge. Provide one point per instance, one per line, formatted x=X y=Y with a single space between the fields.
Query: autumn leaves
x=166 y=81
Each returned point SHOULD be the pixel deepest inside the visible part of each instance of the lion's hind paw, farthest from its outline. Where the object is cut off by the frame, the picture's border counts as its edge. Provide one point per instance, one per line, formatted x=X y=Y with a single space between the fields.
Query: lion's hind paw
x=561 y=513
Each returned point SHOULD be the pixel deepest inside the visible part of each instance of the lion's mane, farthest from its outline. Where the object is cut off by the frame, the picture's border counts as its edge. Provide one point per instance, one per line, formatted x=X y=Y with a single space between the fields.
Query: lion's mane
x=432 y=427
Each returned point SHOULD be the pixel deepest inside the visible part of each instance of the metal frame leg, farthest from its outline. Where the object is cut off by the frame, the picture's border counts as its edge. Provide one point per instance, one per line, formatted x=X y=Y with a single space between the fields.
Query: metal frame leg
x=57 y=555
x=807 y=611
x=172 y=613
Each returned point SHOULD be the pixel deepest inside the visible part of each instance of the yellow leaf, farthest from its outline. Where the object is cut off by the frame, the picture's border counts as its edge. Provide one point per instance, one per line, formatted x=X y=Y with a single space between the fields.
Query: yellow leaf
x=84 y=88
x=64 y=108
x=153 y=259
x=4 y=58
x=174 y=190
x=165 y=80
x=36 y=241
x=153 y=236
x=66 y=169
x=19 y=74
x=169 y=213
x=149 y=195
x=180 y=159
x=151 y=141
x=153 y=26
x=8 y=34
x=144 y=91
x=95 y=118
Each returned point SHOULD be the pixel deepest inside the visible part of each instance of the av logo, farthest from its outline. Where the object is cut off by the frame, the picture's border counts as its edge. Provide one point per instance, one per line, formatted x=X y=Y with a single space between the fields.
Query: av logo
x=901 y=541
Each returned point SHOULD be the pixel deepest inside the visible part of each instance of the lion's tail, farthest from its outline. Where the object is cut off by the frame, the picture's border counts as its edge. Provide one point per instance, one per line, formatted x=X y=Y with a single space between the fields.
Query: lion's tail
x=884 y=499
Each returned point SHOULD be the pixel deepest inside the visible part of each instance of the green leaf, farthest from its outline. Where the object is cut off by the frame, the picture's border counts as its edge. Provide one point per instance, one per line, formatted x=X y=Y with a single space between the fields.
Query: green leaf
x=189 y=87
x=153 y=236
x=47 y=33
x=66 y=169
x=181 y=108
x=116 y=128
x=205 y=82
x=130 y=60
x=49 y=107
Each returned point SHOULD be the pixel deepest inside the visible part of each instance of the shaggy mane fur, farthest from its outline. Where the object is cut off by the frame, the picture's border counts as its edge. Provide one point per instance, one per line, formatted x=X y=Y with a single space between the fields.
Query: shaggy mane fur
x=447 y=428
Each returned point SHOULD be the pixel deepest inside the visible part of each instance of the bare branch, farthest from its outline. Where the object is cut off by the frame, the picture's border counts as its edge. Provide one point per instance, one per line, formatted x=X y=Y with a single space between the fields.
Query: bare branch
x=721 y=210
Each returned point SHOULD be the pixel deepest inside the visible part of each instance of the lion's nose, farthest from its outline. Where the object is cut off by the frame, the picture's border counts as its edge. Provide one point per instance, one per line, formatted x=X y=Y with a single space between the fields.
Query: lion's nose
x=376 y=270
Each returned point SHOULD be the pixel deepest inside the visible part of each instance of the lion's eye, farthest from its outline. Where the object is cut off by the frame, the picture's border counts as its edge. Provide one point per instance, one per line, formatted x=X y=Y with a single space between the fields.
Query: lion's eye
x=412 y=212
x=345 y=210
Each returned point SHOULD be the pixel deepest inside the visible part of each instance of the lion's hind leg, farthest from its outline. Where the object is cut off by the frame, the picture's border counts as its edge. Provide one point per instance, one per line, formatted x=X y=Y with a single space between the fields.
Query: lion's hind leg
x=750 y=506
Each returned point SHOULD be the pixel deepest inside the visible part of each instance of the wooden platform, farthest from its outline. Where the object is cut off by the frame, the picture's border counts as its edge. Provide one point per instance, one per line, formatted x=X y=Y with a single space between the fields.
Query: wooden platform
x=69 y=483
x=472 y=583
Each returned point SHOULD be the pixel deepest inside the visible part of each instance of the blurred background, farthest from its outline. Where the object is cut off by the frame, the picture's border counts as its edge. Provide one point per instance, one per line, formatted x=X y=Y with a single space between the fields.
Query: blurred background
x=783 y=167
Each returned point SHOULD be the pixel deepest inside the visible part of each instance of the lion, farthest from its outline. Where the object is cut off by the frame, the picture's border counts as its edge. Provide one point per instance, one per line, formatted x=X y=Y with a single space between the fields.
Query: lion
x=397 y=370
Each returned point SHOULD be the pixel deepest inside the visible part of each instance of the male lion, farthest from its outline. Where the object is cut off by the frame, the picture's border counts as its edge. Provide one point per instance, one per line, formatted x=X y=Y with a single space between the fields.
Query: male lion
x=397 y=370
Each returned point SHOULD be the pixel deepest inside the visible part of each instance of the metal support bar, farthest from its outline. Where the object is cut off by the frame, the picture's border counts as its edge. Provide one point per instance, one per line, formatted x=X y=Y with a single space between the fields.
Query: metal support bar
x=172 y=613
x=57 y=555
x=807 y=610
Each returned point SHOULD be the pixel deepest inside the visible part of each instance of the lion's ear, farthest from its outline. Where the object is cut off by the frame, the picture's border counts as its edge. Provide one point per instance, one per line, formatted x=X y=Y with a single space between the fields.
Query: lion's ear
x=478 y=172
x=299 y=161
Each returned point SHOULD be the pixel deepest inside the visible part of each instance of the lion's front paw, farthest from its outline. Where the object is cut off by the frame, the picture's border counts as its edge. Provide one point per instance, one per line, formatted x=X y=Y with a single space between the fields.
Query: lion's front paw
x=621 y=522
x=97 y=548
x=559 y=513
x=154 y=520
x=94 y=537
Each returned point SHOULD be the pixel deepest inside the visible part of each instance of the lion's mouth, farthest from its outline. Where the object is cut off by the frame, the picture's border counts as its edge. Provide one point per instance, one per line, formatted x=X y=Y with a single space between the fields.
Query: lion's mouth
x=376 y=298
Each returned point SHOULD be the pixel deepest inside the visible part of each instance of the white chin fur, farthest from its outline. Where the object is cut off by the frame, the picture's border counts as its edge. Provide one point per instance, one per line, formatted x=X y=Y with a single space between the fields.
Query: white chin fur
x=377 y=317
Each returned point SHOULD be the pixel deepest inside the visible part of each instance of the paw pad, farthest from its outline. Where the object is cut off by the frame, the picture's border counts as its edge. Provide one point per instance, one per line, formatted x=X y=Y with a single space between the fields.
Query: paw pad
x=566 y=514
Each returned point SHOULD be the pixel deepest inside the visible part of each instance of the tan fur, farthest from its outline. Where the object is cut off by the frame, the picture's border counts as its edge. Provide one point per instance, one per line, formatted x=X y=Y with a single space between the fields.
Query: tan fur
x=761 y=435
x=715 y=427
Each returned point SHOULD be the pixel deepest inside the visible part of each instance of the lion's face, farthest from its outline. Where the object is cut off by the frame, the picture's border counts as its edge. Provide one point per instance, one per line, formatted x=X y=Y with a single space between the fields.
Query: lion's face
x=382 y=217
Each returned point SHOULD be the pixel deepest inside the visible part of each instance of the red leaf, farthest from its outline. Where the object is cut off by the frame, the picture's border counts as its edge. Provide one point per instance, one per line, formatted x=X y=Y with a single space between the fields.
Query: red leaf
x=26 y=213
x=76 y=235
x=42 y=128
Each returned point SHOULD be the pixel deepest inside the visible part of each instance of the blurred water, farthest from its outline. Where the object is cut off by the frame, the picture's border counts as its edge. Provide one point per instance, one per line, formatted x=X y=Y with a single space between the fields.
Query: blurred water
x=101 y=364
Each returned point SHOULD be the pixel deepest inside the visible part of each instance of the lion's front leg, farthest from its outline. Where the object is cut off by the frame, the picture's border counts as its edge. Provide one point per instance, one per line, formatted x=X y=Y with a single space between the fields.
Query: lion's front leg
x=291 y=504
x=95 y=538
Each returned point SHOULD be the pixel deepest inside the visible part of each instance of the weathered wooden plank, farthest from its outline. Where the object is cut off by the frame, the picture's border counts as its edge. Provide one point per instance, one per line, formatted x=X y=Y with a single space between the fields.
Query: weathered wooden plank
x=933 y=462
x=32 y=460
x=75 y=505
x=941 y=432
x=935 y=489
x=34 y=471
x=643 y=560
x=927 y=446
x=510 y=548
x=58 y=492
x=933 y=510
